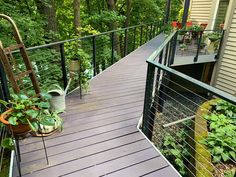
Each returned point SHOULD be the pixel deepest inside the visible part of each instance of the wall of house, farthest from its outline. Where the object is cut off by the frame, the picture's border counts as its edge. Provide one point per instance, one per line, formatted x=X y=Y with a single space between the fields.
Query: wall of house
x=225 y=70
x=204 y=11
x=200 y=10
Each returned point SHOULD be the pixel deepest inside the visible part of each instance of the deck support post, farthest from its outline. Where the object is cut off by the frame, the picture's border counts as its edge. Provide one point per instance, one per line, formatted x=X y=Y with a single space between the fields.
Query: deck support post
x=4 y=86
x=141 y=35
x=134 y=42
x=173 y=49
x=148 y=117
x=125 y=42
x=63 y=65
x=198 y=46
x=94 y=56
x=185 y=15
x=220 y=46
x=112 y=47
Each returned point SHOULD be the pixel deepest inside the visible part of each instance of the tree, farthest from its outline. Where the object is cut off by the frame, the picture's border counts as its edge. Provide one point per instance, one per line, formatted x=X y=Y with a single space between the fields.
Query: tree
x=76 y=8
x=48 y=10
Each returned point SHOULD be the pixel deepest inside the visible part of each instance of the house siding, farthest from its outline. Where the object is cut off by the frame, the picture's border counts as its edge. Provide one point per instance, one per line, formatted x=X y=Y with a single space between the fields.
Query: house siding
x=226 y=71
x=200 y=11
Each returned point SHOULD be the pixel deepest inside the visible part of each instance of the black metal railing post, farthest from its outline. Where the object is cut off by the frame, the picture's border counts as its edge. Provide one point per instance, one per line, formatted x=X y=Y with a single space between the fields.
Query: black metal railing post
x=166 y=53
x=146 y=34
x=220 y=45
x=94 y=56
x=150 y=32
x=134 y=40
x=173 y=49
x=4 y=84
x=157 y=28
x=125 y=42
x=141 y=35
x=63 y=65
x=198 y=47
x=112 y=47
x=148 y=119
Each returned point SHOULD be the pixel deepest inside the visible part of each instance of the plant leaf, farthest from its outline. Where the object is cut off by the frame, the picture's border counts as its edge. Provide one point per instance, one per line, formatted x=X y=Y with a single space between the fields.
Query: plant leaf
x=13 y=120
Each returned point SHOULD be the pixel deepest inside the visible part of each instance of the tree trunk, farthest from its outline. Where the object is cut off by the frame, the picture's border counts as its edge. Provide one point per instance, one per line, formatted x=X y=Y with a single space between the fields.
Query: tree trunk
x=88 y=6
x=127 y=21
x=127 y=13
x=76 y=7
x=113 y=26
x=49 y=11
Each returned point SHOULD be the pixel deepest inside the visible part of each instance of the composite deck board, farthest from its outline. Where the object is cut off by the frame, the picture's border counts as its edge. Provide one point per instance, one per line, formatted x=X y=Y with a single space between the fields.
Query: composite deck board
x=100 y=136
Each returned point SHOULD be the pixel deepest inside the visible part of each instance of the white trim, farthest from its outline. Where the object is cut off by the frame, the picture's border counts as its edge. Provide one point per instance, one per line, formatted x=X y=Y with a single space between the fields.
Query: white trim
x=138 y=127
x=11 y=164
x=215 y=14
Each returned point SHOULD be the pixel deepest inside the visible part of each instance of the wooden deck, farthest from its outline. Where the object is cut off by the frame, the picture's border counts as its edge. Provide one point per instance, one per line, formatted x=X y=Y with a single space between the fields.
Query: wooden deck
x=100 y=136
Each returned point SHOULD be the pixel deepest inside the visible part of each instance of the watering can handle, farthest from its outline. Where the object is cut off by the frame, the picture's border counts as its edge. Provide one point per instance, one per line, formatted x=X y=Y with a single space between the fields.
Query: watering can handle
x=68 y=85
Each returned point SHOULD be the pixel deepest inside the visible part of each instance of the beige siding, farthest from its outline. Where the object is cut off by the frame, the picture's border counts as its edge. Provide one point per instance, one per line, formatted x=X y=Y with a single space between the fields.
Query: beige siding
x=226 y=75
x=200 y=11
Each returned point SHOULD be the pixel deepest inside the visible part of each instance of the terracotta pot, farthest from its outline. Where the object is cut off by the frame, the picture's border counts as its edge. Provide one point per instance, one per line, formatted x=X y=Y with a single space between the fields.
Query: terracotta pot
x=203 y=26
x=20 y=129
x=175 y=24
x=179 y=25
x=74 y=65
x=189 y=24
x=221 y=25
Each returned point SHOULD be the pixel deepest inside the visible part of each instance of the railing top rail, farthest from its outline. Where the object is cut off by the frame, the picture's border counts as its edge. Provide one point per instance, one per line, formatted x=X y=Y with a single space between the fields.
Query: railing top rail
x=215 y=91
x=161 y=47
x=85 y=37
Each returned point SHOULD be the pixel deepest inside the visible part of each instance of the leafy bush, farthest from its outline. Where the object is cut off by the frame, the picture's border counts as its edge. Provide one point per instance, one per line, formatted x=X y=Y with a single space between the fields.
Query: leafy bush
x=176 y=150
x=221 y=140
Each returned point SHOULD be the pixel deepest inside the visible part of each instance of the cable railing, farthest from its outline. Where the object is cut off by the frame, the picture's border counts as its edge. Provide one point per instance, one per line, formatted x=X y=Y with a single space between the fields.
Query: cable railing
x=199 y=43
x=51 y=62
x=191 y=123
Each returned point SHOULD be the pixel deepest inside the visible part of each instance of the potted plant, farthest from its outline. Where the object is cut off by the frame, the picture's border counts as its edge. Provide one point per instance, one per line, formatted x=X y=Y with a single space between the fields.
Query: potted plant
x=203 y=26
x=183 y=47
x=175 y=24
x=195 y=30
x=24 y=113
x=189 y=24
x=214 y=36
x=73 y=54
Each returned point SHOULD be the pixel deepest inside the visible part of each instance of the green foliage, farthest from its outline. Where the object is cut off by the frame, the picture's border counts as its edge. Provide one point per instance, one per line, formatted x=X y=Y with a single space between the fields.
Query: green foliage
x=214 y=36
x=230 y=173
x=175 y=149
x=25 y=110
x=221 y=140
x=8 y=143
x=195 y=28
x=29 y=22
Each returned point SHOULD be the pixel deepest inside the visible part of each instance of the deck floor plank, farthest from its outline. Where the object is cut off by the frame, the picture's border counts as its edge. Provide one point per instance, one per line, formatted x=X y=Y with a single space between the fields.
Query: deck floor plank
x=100 y=135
